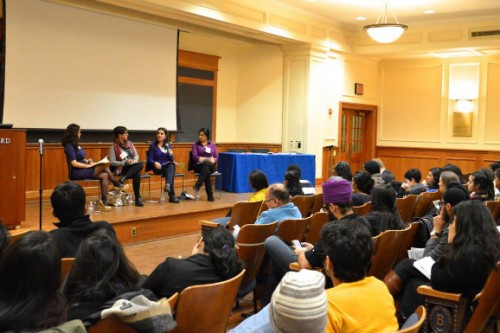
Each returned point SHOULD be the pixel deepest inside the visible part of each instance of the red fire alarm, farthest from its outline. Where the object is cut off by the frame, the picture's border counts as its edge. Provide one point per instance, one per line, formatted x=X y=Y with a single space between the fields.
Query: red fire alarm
x=359 y=88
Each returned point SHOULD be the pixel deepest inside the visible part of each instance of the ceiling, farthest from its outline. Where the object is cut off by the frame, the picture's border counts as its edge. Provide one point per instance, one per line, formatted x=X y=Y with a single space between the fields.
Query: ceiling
x=407 y=11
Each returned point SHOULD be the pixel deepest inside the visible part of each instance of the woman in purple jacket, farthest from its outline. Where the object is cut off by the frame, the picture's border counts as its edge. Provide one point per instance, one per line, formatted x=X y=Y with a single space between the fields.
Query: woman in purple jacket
x=204 y=158
x=161 y=161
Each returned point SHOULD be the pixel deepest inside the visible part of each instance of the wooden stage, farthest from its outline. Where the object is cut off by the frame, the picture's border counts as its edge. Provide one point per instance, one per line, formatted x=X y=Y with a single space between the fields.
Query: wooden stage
x=152 y=222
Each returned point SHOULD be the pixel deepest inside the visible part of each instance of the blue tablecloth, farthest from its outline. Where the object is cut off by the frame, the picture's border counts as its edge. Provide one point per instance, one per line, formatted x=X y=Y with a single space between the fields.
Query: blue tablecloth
x=235 y=168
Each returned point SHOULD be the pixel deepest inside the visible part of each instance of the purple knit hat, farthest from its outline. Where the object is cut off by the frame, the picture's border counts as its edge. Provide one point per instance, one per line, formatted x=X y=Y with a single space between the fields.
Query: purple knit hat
x=337 y=190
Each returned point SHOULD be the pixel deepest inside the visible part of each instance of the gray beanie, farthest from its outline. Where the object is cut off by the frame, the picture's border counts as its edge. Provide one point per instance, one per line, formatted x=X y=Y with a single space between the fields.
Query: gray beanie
x=299 y=303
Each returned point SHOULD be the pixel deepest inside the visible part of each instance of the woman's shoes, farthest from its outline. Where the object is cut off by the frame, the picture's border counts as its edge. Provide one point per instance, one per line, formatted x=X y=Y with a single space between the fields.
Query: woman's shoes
x=167 y=188
x=103 y=207
x=138 y=201
x=173 y=199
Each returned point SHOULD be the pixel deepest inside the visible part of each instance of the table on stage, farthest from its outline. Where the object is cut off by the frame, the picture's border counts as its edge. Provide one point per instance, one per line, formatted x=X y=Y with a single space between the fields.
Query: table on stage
x=235 y=168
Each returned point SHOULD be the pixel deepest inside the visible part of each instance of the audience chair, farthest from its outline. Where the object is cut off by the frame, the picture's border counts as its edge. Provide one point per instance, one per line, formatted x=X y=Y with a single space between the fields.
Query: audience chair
x=318 y=203
x=425 y=202
x=259 y=150
x=196 y=174
x=244 y=212
x=250 y=248
x=408 y=243
x=317 y=221
x=386 y=249
x=447 y=310
x=66 y=264
x=289 y=230
x=82 y=181
x=363 y=209
x=111 y=324
x=207 y=307
x=494 y=207
x=420 y=315
x=406 y=207
x=304 y=203
x=172 y=301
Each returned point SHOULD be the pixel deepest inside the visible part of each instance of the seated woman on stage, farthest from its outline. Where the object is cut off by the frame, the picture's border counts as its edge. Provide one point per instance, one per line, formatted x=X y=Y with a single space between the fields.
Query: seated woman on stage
x=82 y=168
x=384 y=214
x=30 y=273
x=124 y=157
x=205 y=157
x=214 y=259
x=161 y=161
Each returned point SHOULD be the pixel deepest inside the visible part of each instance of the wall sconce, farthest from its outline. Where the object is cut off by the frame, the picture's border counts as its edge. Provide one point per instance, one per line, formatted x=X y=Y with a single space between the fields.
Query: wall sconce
x=464 y=106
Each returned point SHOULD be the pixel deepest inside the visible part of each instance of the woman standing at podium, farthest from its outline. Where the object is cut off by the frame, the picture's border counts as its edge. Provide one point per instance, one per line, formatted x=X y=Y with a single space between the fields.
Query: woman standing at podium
x=205 y=157
x=82 y=168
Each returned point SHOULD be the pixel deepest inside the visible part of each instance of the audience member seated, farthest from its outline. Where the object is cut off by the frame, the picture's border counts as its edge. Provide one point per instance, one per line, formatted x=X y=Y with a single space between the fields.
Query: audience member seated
x=101 y=272
x=473 y=251
x=124 y=158
x=356 y=303
x=280 y=206
x=30 y=273
x=343 y=170
x=307 y=187
x=205 y=157
x=432 y=179
x=292 y=183
x=68 y=206
x=363 y=184
x=481 y=185
x=386 y=175
x=456 y=170
x=384 y=214
x=213 y=259
x=161 y=162
x=259 y=184
x=82 y=168
x=412 y=184
x=495 y=166
x=337 y=199
x=373 y=168
x=298 y=305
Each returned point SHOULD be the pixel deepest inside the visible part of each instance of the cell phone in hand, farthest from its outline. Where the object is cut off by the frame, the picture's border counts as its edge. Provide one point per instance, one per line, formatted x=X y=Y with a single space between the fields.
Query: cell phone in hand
x=296 y=243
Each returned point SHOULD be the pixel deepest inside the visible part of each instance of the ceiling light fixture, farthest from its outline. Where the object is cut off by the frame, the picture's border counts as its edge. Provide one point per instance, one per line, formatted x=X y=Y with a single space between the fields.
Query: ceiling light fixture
x=385 y=32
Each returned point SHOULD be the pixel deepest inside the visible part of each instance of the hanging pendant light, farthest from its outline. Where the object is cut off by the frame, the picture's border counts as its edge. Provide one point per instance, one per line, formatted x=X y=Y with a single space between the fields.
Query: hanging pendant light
x=385 y=32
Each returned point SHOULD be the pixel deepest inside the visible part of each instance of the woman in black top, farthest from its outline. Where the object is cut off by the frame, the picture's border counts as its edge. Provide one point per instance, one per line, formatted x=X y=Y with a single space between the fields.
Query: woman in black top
x=384 y=214
x=292 y=183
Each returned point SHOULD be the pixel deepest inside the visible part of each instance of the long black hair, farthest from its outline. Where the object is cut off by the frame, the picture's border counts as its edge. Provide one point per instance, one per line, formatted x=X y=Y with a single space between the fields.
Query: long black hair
x=483 y=183
x=292 y=183
x=30 y=273
x=219 y=243
x=385 y=209
x=258 y=180
x=436 y=173
x=343 y=169
x=101 y=270
x=71 y=135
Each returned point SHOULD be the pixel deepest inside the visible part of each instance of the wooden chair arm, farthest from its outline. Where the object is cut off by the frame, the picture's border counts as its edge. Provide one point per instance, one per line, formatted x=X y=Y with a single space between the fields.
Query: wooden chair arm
x=210 y=224
x=428 y=291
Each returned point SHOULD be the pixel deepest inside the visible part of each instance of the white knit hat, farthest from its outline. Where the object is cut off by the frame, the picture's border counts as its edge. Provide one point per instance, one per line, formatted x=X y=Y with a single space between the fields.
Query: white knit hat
x=299 y=303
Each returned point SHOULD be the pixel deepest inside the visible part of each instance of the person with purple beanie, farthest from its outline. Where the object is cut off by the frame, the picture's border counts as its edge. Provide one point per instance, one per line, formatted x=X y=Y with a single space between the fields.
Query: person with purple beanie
x=337 y=195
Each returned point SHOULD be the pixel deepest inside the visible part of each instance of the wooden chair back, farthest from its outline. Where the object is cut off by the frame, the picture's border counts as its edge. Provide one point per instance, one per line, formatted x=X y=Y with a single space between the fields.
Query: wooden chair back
x=318 y=203
x=304 y=203
x=363 y=209
x=243 y=213
x=424 y=202
x=264 y=207
x=172 y=301
x=386 y=249
x=66 y=264
x=289 y=230
x=415 y=328
x=406 y=207
x=250 y=247
x=111 y=324
x=453 y=307
x=494 y=207
x=207 y=307
x=317 y=221
x=407 y=244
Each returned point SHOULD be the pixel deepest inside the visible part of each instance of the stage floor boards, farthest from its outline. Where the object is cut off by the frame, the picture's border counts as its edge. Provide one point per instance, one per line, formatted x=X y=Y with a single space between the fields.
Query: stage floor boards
x=152 y=222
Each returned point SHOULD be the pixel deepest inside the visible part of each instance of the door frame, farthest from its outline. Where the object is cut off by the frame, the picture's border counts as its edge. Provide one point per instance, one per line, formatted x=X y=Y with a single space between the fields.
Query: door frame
x=370 y=141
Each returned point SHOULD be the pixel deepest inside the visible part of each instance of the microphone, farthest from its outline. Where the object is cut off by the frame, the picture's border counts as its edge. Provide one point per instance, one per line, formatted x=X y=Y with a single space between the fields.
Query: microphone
x=40 y=146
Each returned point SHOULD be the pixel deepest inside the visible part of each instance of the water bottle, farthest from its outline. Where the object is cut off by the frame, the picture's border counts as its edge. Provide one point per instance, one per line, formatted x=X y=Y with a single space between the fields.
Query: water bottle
x=130 y=200
x=90 y=209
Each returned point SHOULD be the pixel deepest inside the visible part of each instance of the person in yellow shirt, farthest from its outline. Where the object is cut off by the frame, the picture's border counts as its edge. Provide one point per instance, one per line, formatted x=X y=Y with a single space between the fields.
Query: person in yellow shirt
x=356 y=303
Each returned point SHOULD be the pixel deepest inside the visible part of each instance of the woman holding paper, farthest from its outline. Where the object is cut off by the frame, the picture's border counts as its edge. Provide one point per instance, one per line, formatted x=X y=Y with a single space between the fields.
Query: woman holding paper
x=205 y=157
x=82 y=168
x=161 y=161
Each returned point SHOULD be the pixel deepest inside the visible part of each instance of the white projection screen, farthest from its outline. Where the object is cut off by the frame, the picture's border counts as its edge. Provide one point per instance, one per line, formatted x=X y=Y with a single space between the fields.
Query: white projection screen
x=66 y=64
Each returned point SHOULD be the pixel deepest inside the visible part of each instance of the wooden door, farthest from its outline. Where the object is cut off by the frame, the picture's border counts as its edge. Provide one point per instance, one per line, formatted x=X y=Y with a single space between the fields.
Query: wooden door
x=356 y=134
